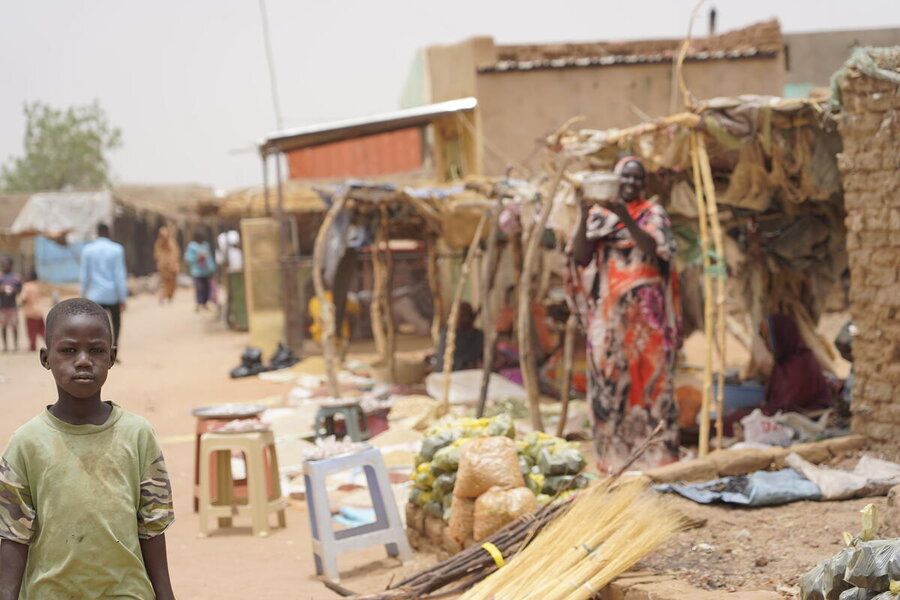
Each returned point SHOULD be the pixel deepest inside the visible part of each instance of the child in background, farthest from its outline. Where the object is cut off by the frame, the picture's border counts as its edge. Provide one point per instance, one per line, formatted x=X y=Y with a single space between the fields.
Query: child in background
x=10 y=286
x=31 y=309
x=85 y=498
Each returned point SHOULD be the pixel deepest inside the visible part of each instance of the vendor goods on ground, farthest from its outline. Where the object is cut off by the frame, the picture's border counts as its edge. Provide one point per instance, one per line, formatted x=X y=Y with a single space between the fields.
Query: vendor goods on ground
x=473 y=476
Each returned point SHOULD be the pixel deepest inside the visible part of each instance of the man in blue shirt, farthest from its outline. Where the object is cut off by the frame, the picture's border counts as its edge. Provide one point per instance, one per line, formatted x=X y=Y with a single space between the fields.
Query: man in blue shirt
x=103 y=276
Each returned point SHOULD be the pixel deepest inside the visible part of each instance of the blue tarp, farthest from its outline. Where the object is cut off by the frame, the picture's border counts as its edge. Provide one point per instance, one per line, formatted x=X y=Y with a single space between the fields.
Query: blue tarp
x=55 y=263
x=762 y=488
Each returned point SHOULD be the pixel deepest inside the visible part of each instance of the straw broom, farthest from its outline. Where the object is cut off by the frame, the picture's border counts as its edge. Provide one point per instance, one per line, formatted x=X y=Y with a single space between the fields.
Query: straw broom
x=627 y=524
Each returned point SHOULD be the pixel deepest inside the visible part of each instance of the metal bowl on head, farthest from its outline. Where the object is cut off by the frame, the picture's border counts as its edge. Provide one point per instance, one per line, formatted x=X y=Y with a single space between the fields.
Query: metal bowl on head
x=600 y=186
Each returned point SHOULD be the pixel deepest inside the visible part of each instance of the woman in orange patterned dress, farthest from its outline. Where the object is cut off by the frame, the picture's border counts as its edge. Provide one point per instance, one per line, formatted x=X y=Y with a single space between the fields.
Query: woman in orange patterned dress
x=622 y=285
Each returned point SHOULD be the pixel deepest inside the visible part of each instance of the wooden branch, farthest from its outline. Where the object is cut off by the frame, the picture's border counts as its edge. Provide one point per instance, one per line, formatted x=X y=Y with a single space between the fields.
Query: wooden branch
x=376 y=306
x=387 y=309
x=450 y=340
x=526 y=357
x=566 y=390
x=716 y=227
x=326 y=307
x=435 y=288
x=487 y=321
x=707 y=296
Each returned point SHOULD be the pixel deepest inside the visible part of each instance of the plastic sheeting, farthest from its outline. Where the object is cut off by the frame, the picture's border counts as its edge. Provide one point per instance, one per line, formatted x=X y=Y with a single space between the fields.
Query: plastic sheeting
x=73 y=214
x=763 y=488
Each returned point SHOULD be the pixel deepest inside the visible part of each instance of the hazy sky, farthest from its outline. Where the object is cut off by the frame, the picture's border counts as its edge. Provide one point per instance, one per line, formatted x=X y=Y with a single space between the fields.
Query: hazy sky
x=186 y=80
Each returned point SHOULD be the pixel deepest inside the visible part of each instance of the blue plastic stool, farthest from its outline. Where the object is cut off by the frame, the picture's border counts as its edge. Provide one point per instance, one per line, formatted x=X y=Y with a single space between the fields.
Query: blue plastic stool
x=387 y=528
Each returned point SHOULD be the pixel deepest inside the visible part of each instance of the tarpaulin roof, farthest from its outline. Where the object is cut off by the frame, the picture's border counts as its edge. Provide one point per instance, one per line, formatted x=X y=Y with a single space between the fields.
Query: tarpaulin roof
x=73 y=214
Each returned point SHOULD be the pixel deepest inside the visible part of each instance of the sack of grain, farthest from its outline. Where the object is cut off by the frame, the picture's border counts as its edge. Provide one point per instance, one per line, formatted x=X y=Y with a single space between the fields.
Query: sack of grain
x=485 y=463
x=462 y=517
x=497 y=507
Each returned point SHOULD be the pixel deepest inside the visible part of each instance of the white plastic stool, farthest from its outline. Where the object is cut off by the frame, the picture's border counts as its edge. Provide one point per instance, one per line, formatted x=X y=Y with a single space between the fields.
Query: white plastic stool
x=387 y=528
x=260 y=500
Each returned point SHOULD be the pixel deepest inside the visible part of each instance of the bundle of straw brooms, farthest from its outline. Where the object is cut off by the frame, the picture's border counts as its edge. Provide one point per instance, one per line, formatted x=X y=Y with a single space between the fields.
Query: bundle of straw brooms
x=566 y=550
x=604 y=533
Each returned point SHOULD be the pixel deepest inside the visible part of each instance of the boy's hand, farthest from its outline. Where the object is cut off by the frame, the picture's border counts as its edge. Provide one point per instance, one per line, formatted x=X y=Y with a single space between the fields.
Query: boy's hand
x=13 y=557
x=157 y=565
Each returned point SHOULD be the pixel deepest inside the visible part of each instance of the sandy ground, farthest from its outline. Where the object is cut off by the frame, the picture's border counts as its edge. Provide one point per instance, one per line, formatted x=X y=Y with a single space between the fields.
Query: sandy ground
x=174 y=360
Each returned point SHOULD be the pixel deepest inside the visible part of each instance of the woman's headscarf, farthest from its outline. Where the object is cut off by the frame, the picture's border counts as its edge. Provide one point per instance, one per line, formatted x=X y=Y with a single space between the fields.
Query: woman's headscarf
x=797 y=382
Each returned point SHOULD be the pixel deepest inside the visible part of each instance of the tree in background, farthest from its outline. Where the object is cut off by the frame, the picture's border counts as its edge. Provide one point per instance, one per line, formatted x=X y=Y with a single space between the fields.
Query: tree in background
x=63 y=149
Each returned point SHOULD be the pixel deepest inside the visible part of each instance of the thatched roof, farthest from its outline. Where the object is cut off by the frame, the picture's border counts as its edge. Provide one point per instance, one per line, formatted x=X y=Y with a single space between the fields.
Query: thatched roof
x=184 y=202
x=10 y=207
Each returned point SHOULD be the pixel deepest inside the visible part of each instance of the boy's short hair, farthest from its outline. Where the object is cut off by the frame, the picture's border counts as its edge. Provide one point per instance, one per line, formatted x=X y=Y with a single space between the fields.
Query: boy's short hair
x=73 y=307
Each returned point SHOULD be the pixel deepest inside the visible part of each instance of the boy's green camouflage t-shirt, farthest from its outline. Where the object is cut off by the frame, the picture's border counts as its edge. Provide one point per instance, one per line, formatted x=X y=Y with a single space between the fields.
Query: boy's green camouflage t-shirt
x=81 y=497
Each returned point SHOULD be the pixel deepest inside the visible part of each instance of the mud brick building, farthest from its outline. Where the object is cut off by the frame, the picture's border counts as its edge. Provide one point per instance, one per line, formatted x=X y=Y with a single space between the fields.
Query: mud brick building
x=870 y=168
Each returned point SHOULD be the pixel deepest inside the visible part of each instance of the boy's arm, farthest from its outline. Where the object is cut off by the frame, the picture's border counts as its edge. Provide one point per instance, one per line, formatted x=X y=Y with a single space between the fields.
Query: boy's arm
x=157 y=565
x=122 y=279
x=13 y=557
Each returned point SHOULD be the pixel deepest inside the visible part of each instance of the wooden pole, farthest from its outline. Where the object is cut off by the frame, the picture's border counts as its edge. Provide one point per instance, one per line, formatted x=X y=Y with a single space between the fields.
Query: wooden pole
x=707 y=297
x=386 y=298
x=450 y=342
x=721 y=273
x=378 y=290
x=435 y=288
x=326 y=307
x=487 y=321
x=566 y=391
x=526 y=355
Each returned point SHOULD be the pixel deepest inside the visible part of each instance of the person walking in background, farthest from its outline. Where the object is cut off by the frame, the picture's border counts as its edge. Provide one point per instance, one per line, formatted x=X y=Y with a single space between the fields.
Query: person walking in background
x=104 y=279
x=202 y=266
x=31 y=309
x=168 y=262
x=10 y=286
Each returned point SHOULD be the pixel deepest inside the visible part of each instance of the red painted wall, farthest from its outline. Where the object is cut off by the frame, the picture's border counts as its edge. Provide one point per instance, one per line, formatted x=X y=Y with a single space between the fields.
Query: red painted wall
x=381 y=154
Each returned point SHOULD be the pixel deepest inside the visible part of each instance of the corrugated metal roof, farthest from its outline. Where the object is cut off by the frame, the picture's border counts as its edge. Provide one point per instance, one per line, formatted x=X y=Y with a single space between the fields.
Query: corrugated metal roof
x=316 y=135
x=627 y=59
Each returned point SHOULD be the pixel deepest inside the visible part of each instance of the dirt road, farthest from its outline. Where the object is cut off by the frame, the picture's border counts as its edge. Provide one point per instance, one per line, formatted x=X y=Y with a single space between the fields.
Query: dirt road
x=174 y=360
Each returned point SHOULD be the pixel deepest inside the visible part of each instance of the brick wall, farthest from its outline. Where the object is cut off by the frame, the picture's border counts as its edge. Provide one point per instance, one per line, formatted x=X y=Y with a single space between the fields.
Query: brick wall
x=870 y=167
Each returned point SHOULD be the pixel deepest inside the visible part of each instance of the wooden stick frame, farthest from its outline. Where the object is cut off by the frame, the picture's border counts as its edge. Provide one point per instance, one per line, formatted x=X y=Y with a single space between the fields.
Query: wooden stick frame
x=450 y=345
x=326 y=306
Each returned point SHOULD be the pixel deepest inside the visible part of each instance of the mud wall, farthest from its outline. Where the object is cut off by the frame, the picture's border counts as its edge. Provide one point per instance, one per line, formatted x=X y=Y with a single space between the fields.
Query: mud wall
x=870 y=168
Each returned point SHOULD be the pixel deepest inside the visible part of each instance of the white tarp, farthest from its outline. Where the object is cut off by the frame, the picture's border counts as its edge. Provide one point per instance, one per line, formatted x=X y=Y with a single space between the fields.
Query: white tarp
x=73 y=214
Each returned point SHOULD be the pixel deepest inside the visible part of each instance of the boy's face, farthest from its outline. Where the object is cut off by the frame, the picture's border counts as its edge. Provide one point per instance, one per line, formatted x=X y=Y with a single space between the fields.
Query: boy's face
x=79 y=353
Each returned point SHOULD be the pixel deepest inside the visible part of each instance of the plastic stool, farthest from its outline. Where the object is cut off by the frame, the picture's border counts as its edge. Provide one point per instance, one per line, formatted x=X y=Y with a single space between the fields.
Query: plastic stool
x=387 y=528
x=354 y=420
x=263 y=487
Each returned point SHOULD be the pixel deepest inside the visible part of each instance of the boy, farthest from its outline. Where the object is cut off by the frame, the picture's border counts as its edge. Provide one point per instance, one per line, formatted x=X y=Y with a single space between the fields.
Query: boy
x=31 y=309
x=10 y=286
x=84 y=493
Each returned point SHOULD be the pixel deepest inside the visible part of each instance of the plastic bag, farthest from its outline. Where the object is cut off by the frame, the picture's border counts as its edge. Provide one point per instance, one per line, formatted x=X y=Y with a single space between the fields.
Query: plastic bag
x=833 y=583
x=444 y=483
x=447 y=458
x=433 y=443
x=558 y=483
x=497 y=507
x=536 y=440
x=874 y=564
x=560 y=459
x=435 y=509
x=760 y=429
x=485 y=463
x=857 y=594
x=462 y=519
x=525 y=464
x=422 y=476
x=501 y=425
x=812 y=583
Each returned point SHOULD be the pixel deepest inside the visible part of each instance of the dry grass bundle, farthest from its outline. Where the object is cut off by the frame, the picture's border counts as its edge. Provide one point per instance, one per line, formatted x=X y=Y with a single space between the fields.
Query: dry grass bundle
x=604 y=534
